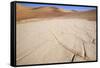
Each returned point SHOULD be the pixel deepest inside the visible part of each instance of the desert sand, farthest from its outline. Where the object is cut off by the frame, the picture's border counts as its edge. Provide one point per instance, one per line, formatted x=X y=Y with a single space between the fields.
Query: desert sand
x=56 y=40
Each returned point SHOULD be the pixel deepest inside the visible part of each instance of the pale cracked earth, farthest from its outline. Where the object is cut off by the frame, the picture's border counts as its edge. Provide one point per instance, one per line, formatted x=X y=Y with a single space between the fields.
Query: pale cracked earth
x=55 y=40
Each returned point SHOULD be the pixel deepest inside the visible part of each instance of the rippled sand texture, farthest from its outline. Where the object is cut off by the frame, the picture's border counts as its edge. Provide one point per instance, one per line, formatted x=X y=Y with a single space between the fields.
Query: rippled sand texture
x=55 y=40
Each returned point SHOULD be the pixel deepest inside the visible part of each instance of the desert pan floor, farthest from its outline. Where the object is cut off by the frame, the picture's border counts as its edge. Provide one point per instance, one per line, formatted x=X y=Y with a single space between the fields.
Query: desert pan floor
x=55 y=40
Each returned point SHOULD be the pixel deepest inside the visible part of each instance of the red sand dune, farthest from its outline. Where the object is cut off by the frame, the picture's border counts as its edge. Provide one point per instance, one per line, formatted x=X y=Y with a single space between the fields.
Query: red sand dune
x=24 y=12
x=38 y=12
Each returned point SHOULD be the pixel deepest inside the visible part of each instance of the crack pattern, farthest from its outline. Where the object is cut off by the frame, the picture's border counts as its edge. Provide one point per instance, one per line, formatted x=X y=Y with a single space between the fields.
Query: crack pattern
x=75 y=53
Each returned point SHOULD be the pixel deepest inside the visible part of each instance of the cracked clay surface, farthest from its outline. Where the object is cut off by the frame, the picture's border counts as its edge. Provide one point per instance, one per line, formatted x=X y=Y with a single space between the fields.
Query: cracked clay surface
x=55 y=41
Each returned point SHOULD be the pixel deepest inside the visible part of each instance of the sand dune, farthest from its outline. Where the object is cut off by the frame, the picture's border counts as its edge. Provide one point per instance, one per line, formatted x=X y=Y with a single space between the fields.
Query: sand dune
x=89 y=15
x=56 y=40
x=24 y=13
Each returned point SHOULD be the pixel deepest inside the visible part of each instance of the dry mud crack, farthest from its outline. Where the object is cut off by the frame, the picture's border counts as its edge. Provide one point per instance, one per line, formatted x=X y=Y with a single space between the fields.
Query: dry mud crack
x=56 y=40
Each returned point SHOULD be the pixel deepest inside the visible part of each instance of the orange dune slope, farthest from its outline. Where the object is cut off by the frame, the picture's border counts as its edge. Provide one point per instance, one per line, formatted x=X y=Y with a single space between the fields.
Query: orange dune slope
x=23 y=12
